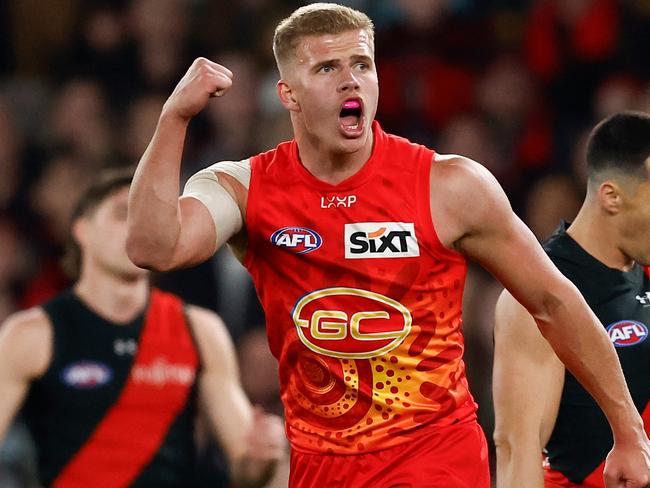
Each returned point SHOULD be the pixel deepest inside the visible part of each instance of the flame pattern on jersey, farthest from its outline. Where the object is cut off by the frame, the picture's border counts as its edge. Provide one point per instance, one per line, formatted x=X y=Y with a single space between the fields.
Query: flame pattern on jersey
x=362 y=301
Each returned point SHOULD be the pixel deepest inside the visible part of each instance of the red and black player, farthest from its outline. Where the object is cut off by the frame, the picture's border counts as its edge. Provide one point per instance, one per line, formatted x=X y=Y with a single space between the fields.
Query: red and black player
x=356 y=241
x=603 y=253
x=109 y=372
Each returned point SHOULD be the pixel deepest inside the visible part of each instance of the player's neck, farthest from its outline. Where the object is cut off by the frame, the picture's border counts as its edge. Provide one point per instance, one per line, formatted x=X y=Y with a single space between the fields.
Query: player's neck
x=114 y=298
x=596 y=235
x=332 y=166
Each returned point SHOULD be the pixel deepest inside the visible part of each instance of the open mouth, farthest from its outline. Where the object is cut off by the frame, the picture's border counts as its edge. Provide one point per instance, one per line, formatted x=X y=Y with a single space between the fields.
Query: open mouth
x=351 y=116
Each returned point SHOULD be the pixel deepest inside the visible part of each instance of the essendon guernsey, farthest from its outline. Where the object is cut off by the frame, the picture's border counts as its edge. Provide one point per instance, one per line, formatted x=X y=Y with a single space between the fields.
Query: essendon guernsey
x=116 y=406
x=582 y=437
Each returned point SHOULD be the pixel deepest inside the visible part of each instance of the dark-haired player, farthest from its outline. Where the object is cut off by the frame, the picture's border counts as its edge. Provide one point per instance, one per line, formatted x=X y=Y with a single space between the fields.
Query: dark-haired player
x=109 y=372
x=603 y=252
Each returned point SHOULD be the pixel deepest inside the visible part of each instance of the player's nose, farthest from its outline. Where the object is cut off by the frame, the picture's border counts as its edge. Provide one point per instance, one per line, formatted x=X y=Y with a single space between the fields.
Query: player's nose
x=349 y=82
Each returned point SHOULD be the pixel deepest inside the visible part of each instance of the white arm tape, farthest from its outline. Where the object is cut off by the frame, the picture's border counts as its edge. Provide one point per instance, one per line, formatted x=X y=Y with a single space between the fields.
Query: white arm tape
x=205 y=187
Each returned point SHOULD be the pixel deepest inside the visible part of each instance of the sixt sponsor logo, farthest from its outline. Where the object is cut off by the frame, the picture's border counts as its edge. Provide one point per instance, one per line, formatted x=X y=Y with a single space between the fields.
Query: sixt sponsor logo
x=627 y=333
x=299 y=240
x=86 y=375
x=346 y=322
x=380 y=240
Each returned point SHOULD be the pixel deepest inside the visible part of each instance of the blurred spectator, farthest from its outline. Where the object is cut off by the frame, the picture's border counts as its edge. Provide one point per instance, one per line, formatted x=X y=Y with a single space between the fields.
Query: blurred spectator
x=104 y=49
x=81 y=121
x=552 y=199
x=426 y=67
x=141 y=119
x=233 y=118
x=52 y=201
x=471 y=136
x=615 y=94
x=570 y=45
x=158 y=23
x=517 y=116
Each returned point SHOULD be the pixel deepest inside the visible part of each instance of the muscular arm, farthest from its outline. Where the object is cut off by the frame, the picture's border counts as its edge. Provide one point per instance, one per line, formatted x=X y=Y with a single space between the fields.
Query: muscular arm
x=527 y=383
x=481 y=225
x=253 y=441
x=166 y=232
x=25 y=349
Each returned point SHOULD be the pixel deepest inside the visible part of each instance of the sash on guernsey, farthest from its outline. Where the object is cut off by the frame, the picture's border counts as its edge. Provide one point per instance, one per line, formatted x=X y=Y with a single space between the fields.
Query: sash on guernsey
x=129 y=435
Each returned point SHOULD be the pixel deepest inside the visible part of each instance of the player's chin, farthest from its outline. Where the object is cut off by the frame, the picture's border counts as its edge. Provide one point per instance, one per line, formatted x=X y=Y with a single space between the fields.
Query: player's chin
x=130 y=272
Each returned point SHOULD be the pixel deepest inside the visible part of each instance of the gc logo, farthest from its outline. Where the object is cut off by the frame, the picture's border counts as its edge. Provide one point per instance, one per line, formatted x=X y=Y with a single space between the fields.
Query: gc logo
x=350 y=323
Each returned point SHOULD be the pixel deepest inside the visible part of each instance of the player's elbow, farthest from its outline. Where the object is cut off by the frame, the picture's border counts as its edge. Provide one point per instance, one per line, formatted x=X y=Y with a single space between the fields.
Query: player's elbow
x=556 y=302
x=145 y=256
x=503 y=444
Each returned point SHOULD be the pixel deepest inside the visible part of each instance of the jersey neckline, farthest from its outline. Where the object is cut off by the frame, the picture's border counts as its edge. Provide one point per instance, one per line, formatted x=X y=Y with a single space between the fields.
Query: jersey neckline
x=354 y=181
x=574 y=251
x=133 y=324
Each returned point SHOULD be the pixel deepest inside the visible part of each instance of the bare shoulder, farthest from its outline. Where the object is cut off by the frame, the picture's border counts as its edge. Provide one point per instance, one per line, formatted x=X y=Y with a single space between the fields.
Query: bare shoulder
x=461 y=177
x=26 y=341
x=464 y=195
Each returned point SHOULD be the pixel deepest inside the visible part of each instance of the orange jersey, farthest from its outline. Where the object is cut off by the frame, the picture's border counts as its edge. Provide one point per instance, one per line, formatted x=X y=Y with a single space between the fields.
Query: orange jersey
x=362 y=301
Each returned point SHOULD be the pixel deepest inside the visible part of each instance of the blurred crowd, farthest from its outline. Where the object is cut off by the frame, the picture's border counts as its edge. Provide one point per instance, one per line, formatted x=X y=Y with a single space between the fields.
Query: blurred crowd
x=514 y=84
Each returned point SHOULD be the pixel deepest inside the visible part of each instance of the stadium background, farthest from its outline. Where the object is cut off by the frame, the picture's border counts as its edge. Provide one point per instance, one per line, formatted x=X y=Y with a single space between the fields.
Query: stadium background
x=513 y=84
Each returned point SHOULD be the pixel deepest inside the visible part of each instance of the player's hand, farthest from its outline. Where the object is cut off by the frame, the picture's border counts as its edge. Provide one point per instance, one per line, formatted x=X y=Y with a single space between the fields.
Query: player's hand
x=266 y=445
x=628 y=465
x=266 y=439
x=204 y=79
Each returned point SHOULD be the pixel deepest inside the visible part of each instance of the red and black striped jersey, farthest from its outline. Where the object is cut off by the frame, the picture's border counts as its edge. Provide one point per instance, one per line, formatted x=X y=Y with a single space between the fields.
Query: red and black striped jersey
x=116 y=406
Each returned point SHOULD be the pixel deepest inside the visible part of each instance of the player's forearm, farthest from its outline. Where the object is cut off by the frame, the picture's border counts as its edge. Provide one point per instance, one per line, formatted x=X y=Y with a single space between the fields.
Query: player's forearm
x=581 y=343
x=154 y=220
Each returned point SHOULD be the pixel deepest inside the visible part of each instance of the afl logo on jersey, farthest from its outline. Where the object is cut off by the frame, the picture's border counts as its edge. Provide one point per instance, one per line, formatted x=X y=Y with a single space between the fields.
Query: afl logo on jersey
x=350 y=323
x=627 y=333
x=86 y=375
x=299 y=240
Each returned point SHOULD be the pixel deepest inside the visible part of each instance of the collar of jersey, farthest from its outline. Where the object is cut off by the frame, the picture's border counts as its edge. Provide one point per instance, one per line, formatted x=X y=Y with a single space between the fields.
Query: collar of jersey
x=354 y=181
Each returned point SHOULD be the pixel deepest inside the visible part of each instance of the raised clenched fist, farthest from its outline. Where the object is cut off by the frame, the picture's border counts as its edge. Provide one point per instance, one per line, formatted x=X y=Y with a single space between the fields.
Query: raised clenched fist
x=204 y=79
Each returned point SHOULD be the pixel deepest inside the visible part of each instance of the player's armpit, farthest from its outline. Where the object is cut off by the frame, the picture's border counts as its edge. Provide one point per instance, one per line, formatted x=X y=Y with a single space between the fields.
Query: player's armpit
x=527 y=385
x=25 y=354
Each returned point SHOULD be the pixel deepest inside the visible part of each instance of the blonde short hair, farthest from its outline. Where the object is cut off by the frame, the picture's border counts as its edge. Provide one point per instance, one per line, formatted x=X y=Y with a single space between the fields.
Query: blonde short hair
x=315 y=20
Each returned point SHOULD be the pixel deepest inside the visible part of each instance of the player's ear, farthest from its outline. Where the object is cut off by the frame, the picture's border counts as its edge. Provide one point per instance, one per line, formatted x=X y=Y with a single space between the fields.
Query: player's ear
x=610 y=196
x=286 y=96
x=80 y=231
